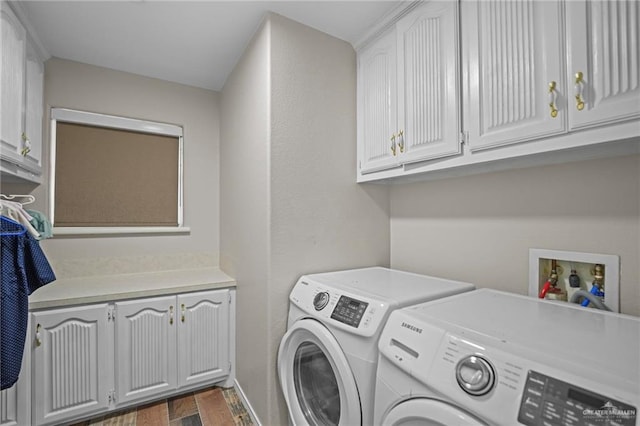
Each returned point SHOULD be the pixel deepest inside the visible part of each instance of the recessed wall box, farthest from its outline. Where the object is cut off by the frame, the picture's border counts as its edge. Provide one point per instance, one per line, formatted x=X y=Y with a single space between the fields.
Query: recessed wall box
x=602 y=270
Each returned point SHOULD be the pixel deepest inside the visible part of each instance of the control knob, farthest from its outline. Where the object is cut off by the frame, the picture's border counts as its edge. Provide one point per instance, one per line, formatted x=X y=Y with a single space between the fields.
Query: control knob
x=475 y=375
x=320 y=300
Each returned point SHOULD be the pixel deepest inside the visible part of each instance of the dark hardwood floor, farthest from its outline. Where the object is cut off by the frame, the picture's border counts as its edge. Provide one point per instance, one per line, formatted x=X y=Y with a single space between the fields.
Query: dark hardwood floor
x=208 y=407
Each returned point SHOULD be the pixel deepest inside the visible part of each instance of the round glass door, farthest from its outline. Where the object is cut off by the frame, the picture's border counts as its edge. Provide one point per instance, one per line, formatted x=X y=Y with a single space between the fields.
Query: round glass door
x=317 y=382
x=316 y=385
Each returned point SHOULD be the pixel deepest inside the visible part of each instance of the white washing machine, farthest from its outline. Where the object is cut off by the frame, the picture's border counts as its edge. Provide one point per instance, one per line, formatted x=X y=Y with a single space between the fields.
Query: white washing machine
x=493 y=358
x=327 y=359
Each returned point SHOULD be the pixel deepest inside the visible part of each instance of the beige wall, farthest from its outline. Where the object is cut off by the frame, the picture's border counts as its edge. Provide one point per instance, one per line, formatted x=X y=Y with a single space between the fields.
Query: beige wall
x=317 y=218
x=89 y=88
x=320 y=218
x=480 y=228
x=244 y=215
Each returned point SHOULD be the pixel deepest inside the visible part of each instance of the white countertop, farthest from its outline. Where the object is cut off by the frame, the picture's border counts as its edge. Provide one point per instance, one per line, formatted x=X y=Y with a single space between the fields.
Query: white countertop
x=105 y=288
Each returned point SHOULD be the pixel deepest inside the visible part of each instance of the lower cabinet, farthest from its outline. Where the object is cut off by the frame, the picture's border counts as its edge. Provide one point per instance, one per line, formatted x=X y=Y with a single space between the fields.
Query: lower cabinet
x=10 y=413
x=14 y=402
x=203 y=324
x=145 y=348
x=72 y=363
x=92 y=359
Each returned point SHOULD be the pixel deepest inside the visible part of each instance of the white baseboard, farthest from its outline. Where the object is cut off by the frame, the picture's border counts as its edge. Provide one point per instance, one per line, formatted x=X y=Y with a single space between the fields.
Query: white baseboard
x=247 y=404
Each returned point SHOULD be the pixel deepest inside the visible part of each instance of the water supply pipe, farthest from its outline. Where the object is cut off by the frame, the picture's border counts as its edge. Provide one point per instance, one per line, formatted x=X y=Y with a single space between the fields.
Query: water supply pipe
x=597 y=302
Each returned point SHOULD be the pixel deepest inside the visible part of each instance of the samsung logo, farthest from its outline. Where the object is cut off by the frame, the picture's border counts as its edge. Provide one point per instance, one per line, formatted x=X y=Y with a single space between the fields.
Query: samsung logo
x=412 y=327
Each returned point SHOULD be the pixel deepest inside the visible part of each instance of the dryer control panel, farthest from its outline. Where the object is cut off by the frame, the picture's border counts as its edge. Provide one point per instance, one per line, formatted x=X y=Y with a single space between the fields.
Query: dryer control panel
x=350 y=312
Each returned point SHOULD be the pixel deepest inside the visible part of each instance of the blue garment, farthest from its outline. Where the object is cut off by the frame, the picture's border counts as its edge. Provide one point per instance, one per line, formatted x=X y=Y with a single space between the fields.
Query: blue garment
x=24 y=269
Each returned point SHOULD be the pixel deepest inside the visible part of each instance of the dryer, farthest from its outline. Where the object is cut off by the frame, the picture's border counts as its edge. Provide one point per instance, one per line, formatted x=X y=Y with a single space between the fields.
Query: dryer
x=327 y=358
x=493 y=358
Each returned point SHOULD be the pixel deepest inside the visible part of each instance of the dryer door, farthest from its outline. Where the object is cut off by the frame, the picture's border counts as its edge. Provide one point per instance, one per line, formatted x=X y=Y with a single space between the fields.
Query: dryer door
x=428 y=412
x=315 y=376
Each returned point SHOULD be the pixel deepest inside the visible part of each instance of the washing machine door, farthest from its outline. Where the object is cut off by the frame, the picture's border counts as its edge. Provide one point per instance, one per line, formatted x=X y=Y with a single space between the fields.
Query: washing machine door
x=428 y=412
x=316 y=379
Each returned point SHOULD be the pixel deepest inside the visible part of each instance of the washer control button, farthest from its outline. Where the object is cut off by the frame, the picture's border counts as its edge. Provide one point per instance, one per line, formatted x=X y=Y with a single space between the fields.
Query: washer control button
x=321 y=300
x=475 y=375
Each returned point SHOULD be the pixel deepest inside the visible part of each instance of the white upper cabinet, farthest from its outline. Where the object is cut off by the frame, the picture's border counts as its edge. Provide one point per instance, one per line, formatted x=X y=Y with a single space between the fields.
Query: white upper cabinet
x=33 y=111
x=541 y=68
x=377 y=104
x=603 y=61
x=515 y=64
x=21 y=108
x=541 y=81
x=428 y=83
x=408 y=90
x=14 y=39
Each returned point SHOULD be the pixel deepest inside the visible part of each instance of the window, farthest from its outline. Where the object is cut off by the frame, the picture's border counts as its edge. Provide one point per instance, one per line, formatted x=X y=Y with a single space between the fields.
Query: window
x=114 y=175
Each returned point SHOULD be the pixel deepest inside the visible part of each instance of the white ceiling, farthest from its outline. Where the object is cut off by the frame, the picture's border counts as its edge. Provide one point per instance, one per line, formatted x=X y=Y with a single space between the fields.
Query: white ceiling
x=190 y=42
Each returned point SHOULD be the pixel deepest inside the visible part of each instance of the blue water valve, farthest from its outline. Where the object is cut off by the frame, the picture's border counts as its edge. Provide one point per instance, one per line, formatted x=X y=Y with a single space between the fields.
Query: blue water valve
x=595 y=290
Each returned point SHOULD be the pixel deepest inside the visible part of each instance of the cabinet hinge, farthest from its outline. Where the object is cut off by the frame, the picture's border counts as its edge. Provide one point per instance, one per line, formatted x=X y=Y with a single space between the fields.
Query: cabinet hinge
x=111 y=396
x=111 y=313
x=229 y=298
x=229 y=367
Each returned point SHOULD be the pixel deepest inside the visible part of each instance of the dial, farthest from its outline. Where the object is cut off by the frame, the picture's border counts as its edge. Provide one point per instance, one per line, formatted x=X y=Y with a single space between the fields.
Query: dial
x=475 y=375
x=320 y=300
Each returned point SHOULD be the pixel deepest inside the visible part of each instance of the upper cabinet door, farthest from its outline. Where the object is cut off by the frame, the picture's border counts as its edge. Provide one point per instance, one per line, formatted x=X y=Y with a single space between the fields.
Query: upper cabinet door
x=603 y=51
x=428 y=82
x=377 y=105
x=514 y=71
x=12 y=75
x=34 y=111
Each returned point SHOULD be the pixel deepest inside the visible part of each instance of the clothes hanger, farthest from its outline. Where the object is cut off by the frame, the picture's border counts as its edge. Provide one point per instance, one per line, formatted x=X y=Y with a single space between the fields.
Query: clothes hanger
x=15 y=212
x=30 y=198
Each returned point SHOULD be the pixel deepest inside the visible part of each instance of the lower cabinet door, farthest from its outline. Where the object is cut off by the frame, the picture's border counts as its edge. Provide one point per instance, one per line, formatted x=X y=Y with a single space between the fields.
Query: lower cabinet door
x=72 y=363
x=145 y=342
x=9 y=408
x=203 y=337
x=14 y=402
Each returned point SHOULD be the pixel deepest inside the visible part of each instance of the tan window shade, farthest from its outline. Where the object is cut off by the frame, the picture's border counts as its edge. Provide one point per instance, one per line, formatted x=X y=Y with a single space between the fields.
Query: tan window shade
x=114 y=177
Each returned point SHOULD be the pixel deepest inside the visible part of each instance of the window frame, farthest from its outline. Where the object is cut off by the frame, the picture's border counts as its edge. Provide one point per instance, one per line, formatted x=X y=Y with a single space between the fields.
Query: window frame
x=65 y=115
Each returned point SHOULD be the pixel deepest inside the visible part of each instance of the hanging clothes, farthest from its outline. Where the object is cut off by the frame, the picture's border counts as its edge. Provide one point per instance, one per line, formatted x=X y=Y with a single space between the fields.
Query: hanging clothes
x=41 y=224
x=15 y=211
x=24 y=269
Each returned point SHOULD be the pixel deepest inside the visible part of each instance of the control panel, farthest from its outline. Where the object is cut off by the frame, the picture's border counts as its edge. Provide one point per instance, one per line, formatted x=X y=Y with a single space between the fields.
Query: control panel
x=550 y=402
x=349 y=311
x=342 y=309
